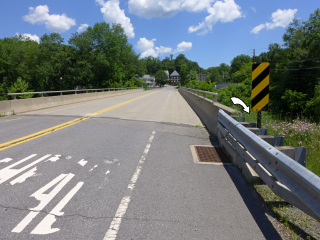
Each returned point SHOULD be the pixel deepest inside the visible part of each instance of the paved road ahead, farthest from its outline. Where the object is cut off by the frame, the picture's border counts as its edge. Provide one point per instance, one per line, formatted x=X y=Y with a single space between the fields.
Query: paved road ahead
x=123 y=171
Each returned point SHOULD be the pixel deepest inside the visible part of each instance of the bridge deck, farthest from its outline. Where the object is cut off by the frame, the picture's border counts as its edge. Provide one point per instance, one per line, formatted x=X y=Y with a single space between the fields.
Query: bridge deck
x=123 y=171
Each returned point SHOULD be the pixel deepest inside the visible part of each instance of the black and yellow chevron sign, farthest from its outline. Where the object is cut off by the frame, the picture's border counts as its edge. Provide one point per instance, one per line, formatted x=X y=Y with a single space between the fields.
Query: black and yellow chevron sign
x=260 y=87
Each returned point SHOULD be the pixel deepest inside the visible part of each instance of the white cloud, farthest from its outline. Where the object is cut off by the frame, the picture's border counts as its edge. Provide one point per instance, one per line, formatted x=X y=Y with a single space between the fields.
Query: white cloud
x=53 y=22
x=258 y=28
x=26 y=36
x=183 y=46
x=166 y=8
x=112 y=13
x=280 y=18
x=147 y=48
x=223 y=11
x=253 y=9
x=82 y=28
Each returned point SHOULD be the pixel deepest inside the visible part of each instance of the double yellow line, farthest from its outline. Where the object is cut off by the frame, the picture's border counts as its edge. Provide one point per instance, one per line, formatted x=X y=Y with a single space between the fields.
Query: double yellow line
x=30 y=137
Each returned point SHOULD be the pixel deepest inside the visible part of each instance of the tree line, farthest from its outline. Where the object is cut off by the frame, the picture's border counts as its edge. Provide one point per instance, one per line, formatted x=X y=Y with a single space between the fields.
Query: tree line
x=99 y=57
x=294 y=72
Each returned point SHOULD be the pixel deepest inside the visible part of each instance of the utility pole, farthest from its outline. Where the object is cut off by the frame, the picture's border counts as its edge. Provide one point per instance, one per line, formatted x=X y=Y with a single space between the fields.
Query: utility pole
x=259 y=115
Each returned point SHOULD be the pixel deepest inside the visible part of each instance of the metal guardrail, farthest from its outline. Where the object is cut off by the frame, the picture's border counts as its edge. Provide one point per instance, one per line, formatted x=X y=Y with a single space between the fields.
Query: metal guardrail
x=205 y=93
x=75 y=91
x=285 y=177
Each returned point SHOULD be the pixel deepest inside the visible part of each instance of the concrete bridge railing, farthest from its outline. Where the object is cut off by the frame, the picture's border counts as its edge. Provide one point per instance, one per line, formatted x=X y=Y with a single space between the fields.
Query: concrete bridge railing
x=30 y=104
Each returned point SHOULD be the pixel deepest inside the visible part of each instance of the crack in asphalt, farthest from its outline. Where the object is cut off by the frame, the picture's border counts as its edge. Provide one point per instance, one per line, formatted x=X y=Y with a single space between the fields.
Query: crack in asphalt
x=127 y=218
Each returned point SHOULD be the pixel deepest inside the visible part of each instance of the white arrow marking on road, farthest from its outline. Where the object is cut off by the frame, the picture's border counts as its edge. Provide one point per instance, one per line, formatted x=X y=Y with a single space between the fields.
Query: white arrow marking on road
x=7 y=172
x=240 y=102
x=44 y=227
x=5 y=160
x=24 y=176
x=44 y=199
x=82 y=162
x=54 y=159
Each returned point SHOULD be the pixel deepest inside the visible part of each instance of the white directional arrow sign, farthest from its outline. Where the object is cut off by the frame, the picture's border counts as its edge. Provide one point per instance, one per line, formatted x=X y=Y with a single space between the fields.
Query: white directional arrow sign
x=240 y=102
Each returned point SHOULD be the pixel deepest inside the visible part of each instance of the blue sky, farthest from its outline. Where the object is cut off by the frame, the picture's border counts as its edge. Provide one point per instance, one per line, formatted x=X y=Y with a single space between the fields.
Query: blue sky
x=207 y=31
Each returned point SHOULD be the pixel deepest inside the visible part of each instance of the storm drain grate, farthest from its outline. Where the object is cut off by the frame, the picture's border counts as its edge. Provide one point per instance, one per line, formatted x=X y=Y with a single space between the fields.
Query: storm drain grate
x=211 y=154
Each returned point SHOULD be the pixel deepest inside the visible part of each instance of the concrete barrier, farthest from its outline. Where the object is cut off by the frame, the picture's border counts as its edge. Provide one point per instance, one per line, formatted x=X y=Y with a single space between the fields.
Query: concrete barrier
x=31 y=104
x=206 y=109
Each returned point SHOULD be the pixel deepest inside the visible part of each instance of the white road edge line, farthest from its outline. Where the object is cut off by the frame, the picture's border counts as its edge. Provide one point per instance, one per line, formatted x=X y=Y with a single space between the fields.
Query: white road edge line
x=114 y=227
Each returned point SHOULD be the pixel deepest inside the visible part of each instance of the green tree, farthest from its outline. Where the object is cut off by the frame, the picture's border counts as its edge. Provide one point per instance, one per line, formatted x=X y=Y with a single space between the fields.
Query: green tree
x=243 y=73
x=184 y=75
x=193 y=75
x=214 y=75
x=161 y=78
x=20 y=86
x=238 y=61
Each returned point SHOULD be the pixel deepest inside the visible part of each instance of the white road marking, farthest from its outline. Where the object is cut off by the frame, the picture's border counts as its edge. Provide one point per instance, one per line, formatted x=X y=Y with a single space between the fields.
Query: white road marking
x=114 y=227
x=111 y=162
x=7 y=172
x=54 y=159
x=82 y=162
x=107 y=172
x=69 y=157
x=44 y=227
x=24 y=176
x=93 y=168
x=44 y=199
x=5 y=160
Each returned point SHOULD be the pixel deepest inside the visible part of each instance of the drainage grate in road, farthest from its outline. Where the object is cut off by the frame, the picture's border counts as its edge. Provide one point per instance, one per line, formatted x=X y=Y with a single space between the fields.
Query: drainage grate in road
x=209 y=154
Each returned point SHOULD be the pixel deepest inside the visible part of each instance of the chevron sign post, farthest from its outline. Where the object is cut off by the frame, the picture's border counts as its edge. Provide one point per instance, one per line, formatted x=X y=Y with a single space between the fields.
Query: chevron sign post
x=260 y=89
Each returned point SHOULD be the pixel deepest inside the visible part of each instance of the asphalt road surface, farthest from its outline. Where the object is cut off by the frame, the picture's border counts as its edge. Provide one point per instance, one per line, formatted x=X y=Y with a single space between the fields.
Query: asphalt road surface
x=119 y=168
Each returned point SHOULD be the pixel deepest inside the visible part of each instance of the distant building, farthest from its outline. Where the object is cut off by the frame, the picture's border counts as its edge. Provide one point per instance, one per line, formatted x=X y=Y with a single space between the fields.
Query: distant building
x=202 y=77
x=174 y=77
x=150 y=81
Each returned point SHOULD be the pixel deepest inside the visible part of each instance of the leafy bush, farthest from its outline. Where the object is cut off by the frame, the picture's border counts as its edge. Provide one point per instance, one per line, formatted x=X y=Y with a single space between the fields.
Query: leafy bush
x=20 y=86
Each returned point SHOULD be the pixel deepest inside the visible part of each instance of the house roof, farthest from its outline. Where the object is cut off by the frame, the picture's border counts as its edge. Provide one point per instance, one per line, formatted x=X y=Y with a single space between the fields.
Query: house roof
x=146 y=76
x=174 y=74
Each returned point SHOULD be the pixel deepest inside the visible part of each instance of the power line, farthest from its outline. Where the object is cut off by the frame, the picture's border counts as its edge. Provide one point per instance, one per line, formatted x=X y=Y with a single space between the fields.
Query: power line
x=293 y=69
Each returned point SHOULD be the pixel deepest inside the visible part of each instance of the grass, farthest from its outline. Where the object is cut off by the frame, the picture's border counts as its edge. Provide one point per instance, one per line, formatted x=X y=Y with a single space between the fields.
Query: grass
x=296 y=132
x=297 y=223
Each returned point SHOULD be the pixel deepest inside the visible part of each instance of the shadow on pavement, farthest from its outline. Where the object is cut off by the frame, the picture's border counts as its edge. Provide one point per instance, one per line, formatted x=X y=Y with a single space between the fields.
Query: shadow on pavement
x=252 y=203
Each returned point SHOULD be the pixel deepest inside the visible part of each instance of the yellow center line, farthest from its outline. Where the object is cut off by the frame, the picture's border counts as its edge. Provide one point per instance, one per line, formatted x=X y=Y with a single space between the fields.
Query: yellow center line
x=44 y=132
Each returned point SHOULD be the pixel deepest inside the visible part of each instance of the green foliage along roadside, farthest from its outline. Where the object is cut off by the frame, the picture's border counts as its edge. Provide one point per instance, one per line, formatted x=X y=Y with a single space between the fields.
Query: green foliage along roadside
x=99 y=57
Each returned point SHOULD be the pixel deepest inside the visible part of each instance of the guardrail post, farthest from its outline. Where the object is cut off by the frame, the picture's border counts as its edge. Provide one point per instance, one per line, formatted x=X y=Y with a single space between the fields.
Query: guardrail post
x=14 y=97
x=205 y=95
x=215 y=98
x=61 y=93
x=41 y=95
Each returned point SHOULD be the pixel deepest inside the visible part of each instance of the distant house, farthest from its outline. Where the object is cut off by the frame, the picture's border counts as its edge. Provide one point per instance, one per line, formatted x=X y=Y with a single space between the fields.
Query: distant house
x=150 y=81
x=174 y=77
